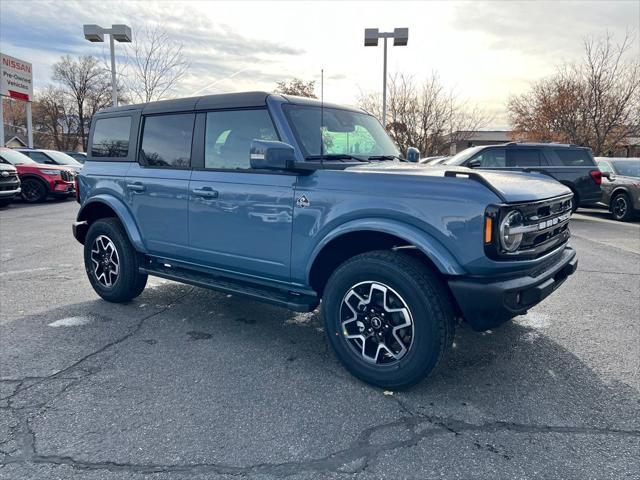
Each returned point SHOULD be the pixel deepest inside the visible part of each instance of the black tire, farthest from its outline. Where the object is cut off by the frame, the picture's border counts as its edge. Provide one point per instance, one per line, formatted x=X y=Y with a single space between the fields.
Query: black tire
x=128 y=283
x=621 y=207
x=574 y=202
x=33 y=190
x=429 y=304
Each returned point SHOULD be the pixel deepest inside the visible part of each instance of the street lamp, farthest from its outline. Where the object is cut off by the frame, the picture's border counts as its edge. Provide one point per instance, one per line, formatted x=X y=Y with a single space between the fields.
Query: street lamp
x=400 y=38
x=121 y=33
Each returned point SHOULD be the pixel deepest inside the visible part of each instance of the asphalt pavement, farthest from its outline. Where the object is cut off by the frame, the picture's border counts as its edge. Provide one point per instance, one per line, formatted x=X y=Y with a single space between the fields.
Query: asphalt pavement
x=188 y=383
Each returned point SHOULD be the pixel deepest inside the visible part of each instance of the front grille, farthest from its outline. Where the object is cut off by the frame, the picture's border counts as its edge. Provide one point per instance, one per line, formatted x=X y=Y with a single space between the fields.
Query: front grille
x=546 y=225
x=66 y=176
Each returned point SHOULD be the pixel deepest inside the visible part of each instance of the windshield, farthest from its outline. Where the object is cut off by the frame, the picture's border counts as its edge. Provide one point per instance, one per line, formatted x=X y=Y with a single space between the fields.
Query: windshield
x=627 y=168
x=344 y=132
x=15 y=158
x=463 y=156
x=63 y=158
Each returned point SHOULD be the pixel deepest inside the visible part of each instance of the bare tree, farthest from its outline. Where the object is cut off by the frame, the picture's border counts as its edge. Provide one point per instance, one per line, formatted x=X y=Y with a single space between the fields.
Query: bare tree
x=594 y=103
x=156 y=65
x=427 y=116
x=54 y=120
x=298 y=87
x=87 y=85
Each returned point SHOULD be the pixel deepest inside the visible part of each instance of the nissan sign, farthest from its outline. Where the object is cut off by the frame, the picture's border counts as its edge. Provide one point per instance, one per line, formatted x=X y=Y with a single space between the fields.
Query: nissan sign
x=17 y=78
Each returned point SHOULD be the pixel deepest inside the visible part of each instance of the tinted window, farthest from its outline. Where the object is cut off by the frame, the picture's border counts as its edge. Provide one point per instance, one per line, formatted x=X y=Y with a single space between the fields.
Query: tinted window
x=627 y=168
x=229 y=135
x=575 y=158
x=39 y=157
x=491 y=158
x=523 y=158
x=605 y=167
x=111 y=137
x=166 y=140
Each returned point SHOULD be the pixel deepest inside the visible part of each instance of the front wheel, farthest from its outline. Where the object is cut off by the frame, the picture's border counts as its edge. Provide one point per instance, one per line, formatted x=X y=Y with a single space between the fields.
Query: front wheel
x=111 y=262
x=33 y=191
x=621 y=207
x=388 y=318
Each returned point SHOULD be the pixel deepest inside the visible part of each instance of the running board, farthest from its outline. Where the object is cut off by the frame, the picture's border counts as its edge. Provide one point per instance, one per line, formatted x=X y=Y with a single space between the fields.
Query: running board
x=298 y=302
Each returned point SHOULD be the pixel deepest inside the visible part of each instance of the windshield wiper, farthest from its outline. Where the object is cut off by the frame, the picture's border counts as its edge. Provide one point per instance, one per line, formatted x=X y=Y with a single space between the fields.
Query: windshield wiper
x=336 y=156
x=386 y=157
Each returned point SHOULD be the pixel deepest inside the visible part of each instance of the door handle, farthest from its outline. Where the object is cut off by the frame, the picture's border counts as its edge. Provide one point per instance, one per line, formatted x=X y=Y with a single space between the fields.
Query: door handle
x=136 y=187
x=206 y=192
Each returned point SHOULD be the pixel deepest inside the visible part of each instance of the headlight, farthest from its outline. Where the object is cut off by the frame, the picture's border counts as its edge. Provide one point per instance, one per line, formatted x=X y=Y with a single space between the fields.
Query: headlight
x=51 y=172
x=511 y=241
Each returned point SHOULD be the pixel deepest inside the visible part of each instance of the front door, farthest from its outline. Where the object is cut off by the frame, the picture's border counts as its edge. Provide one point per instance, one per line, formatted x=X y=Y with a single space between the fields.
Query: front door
x=158 y=185
x=240 y=219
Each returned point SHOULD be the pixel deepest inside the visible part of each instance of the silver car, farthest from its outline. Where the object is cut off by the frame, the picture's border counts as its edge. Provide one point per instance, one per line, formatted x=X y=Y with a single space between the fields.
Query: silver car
x=620 y=186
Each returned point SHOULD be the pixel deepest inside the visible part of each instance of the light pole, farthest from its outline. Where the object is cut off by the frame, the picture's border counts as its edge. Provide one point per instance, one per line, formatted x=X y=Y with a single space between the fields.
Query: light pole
x=400 y=38
x=121 y=33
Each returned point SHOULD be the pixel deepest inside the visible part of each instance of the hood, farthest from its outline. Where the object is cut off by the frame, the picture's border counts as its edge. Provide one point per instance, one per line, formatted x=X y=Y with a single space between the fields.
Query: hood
x=46 y=166
x=4 y=166
x=511 y=187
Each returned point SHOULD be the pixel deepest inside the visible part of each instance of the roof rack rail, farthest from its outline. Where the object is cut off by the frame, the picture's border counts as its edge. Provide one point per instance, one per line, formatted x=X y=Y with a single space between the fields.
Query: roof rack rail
x=470 y=174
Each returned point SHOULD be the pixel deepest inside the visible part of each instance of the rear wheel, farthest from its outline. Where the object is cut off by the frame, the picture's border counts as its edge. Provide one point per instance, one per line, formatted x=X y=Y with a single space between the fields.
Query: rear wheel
x=621 y=207
x=111 y=262
x=388 y=318
x=33 y=191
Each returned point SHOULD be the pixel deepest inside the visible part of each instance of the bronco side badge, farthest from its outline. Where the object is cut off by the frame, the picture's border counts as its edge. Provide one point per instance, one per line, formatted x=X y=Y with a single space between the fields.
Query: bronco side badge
x=302 y=202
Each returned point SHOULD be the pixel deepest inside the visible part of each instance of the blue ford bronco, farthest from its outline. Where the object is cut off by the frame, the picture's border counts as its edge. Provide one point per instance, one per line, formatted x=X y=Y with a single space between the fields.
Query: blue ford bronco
x=290 y=201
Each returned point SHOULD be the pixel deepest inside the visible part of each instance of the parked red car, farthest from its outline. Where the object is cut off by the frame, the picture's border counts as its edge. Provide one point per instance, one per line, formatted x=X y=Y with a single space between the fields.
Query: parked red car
x=38 y=180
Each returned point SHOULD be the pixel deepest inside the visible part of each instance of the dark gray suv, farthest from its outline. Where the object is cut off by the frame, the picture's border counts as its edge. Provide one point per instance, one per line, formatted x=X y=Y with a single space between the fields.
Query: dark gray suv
x=571 y=165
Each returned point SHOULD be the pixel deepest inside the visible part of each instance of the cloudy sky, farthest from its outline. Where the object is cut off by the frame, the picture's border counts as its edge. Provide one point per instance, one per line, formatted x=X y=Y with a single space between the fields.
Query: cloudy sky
x=485 y=50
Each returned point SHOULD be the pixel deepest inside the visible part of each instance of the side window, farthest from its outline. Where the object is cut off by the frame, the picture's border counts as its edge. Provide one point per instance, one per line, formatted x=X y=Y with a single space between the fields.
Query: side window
x=491 y=158
x=523 y=158
x=605 y=167
x=574 y=158
x=229 y=134
x=39 y=157
x=166 y=140
x=111 y=137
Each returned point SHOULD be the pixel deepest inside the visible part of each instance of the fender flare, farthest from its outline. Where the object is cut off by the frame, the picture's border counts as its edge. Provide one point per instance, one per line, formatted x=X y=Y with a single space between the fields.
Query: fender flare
x=122 y=213
x=444 y=261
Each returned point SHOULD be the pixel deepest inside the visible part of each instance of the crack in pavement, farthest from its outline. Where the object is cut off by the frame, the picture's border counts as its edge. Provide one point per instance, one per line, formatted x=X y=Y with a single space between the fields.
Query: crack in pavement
x=355 y=458
x=359 y=453
x=22 y=433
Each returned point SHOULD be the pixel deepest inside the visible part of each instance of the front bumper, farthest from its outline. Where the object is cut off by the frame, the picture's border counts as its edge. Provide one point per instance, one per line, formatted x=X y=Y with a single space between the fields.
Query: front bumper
x=4 y=194
x=486 y=303
x=63 y=189
x=79 y=230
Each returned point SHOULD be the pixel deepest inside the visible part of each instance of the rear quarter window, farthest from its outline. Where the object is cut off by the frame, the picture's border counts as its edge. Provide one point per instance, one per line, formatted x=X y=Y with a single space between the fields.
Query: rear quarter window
x=111 y=137
x=575 y=158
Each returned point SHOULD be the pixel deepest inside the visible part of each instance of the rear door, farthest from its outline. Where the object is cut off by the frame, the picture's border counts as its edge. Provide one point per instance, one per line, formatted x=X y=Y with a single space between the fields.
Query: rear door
x=157 y=185
x=573 y=167
x=240 y=219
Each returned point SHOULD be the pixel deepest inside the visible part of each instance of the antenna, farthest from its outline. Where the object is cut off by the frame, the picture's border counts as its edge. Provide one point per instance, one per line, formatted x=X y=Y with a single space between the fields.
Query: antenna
x=321 y=114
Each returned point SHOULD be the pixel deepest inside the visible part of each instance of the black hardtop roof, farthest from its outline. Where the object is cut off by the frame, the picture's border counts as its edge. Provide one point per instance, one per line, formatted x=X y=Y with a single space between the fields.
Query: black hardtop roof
x=219 y=101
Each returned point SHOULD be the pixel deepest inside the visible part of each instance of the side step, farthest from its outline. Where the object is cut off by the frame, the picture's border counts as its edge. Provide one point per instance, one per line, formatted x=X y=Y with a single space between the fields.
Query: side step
x=298 y=302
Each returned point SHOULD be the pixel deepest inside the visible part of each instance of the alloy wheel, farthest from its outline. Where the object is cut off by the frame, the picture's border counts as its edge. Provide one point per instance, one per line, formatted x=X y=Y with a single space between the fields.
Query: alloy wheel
x=30 y=191
x=376 y=323
x=105 y=261
x=620 y=206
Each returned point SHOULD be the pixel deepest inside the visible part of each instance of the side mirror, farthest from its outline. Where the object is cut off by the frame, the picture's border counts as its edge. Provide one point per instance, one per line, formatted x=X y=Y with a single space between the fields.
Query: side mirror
x=609 y=176
x=475 y=163
x=413 y=154
x=269 y=155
